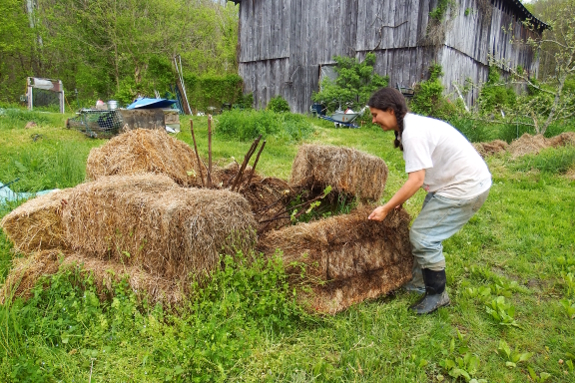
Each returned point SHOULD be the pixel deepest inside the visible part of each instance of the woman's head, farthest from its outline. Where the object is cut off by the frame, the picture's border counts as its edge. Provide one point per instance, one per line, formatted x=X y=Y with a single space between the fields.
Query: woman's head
x=388 y=108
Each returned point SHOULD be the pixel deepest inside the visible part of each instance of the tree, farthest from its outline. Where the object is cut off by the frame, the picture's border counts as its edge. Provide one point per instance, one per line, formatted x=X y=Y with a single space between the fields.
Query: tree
x=353 y=86
x=548 y=100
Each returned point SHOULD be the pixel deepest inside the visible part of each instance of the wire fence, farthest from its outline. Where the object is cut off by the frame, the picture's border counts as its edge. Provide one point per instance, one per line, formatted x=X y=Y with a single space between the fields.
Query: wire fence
x=97 y=123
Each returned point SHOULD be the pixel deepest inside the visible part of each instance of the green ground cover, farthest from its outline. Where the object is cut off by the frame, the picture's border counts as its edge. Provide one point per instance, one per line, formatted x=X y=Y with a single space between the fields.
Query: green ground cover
x=510 y=277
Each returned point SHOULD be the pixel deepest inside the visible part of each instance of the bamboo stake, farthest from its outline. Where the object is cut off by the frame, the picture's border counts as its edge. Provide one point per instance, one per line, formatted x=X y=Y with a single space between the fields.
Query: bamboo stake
x=209 y=150
x=196 y=150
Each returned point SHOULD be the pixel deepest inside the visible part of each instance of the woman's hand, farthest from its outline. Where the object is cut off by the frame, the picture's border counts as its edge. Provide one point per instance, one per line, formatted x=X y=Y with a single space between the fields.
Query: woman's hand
x=378 y=214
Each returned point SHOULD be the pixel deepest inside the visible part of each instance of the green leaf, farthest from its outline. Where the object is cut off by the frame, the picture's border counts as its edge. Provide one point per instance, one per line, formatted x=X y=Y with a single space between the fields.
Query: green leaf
x=532 y=373
x=504 y=349
x=525 y=356
x=544 y=376
x=510 y=364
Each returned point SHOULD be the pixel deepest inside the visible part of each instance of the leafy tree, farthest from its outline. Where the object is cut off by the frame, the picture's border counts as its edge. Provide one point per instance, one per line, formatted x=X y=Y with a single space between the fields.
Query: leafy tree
x=549 y=99
x=353 y=86
x=494 y=94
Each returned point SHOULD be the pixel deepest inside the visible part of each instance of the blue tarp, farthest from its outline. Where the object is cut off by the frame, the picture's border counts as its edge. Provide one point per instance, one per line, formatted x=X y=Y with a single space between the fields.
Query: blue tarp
x=151 y=103
x=7 y=195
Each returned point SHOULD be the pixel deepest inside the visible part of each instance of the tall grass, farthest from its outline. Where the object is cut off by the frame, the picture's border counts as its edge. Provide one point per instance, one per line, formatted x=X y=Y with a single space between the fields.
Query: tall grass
x=248 y=124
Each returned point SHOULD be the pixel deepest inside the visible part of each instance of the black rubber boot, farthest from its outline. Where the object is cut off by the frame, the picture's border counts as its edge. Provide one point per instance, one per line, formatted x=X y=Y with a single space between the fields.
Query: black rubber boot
x=435 y=294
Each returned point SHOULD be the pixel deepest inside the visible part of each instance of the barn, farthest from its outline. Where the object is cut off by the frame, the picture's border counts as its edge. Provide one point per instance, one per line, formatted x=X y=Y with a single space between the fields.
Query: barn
x=286 y=46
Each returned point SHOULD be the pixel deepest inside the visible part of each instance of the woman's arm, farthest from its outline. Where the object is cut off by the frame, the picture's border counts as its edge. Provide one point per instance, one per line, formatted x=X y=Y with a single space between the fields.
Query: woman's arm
x=413 y=183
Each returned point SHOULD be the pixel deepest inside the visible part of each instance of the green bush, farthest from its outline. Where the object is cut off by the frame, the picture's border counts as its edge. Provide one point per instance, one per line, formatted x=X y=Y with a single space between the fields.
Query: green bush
x=248 y=124
x=494 y=97
x=213 y=91
x=429 y=100
x=354 y=85
x=278 y=104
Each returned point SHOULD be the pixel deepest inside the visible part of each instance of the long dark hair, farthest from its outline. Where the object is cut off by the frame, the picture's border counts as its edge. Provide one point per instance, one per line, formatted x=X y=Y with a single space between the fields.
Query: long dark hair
x=390 y=99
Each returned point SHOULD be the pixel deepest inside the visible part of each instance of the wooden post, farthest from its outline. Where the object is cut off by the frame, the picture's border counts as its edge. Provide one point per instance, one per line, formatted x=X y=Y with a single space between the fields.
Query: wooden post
x=256 y=163
x=209 y=150
x=196 y=150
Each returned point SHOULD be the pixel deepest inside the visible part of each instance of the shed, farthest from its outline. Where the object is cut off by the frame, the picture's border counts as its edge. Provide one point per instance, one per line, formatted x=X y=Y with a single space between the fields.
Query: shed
x=284 y=45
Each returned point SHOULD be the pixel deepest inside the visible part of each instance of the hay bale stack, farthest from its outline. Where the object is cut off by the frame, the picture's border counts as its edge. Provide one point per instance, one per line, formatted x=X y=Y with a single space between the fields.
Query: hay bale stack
x=37 y=224
x=490 y=148
x=348 y=258
x=146 y=151
x=26 y=272
x=347 y=170
x=169 y=231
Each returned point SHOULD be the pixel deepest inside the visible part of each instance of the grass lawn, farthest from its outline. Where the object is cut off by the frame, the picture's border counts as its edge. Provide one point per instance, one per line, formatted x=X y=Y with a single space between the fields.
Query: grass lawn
x=510 y=277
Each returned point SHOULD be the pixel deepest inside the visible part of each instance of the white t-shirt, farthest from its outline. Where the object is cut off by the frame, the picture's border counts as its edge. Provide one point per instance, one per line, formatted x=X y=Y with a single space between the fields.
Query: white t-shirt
x=453 y=168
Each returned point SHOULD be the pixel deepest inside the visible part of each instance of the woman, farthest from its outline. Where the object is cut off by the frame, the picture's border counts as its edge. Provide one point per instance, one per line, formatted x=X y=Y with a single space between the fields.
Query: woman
x=439 y=159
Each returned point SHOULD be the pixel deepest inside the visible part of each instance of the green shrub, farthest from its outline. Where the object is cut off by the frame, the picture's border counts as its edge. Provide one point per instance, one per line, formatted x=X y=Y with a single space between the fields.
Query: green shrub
x=354 y=85
x=494 y=97
x=248 y=124
x=429 y=100
x=278 y=104
x=213 y=91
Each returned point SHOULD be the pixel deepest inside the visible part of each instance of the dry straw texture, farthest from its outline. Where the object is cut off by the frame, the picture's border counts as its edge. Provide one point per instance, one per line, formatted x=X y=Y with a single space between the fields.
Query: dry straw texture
x=347 y=170
x=146 y=151
x=37 y=224
x=148 y=221
x=490 y=148
x=348 y=258
x=26 y=272
x=528 y=144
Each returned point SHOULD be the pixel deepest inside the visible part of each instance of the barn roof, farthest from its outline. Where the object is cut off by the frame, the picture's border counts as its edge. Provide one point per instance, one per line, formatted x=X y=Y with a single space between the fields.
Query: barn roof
x=519 y=9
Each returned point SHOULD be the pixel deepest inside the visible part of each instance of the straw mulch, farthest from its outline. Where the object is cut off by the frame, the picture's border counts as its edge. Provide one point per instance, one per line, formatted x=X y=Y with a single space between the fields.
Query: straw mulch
x=348 y=258
x=490 y=148
x=167 y=230
x=26 y=272
x=146 y=151
x=347 y=170
x=37 y=224
x=528 y=144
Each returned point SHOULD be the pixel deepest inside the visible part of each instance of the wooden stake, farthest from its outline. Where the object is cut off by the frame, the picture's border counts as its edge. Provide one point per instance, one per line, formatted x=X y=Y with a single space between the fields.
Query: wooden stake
x=249 y=154
x=209 y=150
x=255 y=163
x=196 y=150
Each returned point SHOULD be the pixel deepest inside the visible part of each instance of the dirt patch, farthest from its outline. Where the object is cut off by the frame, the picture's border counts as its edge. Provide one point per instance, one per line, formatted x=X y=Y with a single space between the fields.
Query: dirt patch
x=490 y=148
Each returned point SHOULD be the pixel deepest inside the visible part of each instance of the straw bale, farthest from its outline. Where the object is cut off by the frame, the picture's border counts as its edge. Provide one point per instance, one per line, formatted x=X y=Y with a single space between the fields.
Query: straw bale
x=347 y=170
x=348 y=258
x=26 y=272
x=37 y=224
x=142 y=283
x=168 y=231
x=490 y=148
x=145 y=151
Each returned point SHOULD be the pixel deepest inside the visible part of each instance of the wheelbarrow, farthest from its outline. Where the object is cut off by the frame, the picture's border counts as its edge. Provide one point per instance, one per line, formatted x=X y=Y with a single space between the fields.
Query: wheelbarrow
x=339 y=117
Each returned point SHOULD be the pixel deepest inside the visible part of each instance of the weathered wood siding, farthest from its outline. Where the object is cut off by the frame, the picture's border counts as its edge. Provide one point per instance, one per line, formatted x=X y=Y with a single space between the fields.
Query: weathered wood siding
x=283 y=43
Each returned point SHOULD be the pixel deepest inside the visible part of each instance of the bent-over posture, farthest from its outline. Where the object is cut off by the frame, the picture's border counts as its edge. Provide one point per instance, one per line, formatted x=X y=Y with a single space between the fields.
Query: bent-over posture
x=441 y=160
